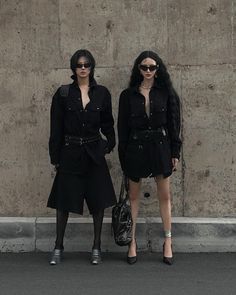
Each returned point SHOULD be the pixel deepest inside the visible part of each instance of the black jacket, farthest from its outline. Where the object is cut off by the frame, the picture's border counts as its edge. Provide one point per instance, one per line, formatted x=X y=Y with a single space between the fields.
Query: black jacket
x=164 y=112
x=68 y=117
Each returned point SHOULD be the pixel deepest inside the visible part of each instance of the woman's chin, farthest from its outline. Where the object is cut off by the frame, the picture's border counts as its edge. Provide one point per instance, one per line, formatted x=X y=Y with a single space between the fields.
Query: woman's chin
x=148 y=77
x=83 y=76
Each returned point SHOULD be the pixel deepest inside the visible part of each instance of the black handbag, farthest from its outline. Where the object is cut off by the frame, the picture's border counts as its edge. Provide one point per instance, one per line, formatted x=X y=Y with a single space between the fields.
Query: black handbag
x=122 y=218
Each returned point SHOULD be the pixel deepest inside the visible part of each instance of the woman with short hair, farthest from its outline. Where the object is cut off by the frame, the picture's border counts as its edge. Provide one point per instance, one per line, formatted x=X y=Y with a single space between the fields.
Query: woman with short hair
x=79 y=112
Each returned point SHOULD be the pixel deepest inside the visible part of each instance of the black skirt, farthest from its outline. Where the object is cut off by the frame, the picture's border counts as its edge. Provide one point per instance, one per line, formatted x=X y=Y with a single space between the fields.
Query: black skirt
x=148 y=154
x=69 y=190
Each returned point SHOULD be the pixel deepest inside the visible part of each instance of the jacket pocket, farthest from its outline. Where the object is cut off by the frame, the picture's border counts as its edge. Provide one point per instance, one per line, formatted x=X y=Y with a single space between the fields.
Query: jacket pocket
x=138 y=119
x=70 y=106
x=93 y=114
x=160 y=114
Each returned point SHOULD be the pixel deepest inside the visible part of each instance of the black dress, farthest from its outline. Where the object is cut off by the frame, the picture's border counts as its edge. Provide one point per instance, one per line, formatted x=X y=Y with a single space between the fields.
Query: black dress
x=76 y=146
x=147 y=143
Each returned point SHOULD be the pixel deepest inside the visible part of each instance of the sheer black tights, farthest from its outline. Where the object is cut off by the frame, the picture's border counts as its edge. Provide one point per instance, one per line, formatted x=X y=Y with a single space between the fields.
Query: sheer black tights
x=62 y=218
x=97 y=224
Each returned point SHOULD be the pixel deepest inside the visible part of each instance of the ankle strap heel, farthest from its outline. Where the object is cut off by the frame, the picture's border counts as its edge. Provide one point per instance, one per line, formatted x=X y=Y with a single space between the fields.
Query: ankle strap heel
x=167 y=233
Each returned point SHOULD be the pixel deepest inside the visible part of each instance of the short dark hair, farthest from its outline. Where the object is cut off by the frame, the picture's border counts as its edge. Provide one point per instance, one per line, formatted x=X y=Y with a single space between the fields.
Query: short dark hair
x=74 y=60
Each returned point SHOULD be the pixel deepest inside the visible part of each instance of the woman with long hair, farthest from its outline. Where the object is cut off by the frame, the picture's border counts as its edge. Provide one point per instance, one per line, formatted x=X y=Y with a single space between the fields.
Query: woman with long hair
x=149 y=142
x=79 y=112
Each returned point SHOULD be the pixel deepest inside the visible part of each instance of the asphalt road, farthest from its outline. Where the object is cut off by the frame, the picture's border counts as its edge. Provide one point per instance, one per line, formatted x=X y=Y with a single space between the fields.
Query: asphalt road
x=30 y=274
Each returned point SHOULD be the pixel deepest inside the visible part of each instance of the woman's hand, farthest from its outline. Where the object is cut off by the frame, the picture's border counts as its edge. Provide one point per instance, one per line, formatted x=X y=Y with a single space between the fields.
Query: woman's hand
x=54 y=170
x=175 y=162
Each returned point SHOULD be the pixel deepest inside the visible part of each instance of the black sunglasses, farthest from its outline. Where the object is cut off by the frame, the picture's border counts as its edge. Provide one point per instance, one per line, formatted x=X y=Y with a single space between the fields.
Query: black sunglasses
x=146 y=67
x=85 y=65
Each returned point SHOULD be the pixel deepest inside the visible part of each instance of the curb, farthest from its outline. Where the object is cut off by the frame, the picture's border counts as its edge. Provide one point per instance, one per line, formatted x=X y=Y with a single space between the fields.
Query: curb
x=22 y=234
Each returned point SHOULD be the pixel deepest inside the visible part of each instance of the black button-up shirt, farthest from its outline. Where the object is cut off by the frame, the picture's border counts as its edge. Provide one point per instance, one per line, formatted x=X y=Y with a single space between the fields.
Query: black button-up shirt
x=68 y=117
x=164 y=112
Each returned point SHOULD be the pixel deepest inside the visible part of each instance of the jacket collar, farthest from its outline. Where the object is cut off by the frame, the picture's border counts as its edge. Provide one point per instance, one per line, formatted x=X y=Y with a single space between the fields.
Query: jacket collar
x=92 y=83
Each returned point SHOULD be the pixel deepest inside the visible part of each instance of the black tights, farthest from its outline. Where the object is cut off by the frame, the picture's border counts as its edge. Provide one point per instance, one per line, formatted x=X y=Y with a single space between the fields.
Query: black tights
x=97 y=224
x=62 y=217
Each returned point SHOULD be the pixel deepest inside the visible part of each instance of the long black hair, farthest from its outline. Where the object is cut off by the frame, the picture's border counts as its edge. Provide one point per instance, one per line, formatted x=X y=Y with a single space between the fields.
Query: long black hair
x=74 y=60
x=162 y=78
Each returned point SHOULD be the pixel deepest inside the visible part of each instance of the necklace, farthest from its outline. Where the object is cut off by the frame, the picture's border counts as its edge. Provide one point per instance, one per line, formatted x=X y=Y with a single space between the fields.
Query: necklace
x=145 y=87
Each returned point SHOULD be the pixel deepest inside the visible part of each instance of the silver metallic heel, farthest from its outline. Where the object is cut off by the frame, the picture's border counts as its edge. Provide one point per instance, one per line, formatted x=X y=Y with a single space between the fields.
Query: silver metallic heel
x=96 y=257
x=56 y=256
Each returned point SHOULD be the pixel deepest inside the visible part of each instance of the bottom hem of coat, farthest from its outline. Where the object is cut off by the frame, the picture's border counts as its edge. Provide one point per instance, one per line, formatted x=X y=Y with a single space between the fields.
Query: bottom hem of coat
x=152 y=175
x=80 y=212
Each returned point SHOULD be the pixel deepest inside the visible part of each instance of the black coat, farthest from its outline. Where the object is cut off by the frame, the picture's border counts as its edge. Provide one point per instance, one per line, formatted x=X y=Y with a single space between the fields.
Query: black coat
x=68 y=117
x=164 y=112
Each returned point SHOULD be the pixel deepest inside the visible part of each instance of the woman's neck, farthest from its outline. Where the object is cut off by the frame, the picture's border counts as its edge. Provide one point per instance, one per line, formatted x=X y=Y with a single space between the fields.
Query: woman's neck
x=82 y=82
x=147 y=83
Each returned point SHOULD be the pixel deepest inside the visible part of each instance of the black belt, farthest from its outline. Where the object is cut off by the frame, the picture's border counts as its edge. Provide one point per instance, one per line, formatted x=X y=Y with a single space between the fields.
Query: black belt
x=148 y=134
x=71 y=139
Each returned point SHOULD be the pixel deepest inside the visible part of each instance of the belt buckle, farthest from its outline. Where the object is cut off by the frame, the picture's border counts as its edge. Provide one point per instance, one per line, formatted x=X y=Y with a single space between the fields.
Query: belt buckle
x=66 y=140
x=163 y=131
x=80 y=141
x=147 y=133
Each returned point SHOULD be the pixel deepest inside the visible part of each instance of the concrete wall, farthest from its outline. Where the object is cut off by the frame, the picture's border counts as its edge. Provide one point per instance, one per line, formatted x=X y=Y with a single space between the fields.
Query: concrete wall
x=196 y=39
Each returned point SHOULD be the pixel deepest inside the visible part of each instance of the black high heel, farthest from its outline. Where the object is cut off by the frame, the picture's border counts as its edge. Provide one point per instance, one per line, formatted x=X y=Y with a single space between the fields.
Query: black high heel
x=133 y=259
x=167 y=260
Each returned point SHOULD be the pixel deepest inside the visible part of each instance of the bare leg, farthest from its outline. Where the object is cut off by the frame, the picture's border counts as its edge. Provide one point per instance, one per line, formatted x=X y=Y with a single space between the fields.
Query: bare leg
x=134 y=191
x=163 y=187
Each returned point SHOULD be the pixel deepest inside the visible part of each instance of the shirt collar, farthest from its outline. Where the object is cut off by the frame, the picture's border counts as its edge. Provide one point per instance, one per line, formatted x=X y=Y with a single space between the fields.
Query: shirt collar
x=92 y=83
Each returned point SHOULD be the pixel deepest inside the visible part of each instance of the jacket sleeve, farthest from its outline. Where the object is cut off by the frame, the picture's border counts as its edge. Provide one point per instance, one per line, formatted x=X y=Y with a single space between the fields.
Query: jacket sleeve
x=56 y=128
x=123 y=126
x=107 y=122
x=173 y=123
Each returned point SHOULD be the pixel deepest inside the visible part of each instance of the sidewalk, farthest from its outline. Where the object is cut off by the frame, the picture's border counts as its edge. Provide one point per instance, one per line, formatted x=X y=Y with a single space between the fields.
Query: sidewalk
x=200 y=274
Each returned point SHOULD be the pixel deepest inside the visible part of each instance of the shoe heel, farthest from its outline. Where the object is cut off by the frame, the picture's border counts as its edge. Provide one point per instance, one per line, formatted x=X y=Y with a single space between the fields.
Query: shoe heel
x=133 y=259
x=56 y=257
x=167 y=260
x=96 y=257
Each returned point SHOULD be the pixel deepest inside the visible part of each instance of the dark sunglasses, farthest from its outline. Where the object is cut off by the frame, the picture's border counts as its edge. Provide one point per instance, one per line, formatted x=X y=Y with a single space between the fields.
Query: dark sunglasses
x=151 y=67
x=85 y=65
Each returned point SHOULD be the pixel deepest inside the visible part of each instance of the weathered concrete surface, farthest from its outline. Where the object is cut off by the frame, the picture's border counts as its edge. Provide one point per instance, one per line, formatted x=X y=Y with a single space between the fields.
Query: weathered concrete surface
x=17 y=234
x=30 y=34
x=201 y=32
x=209 y=118
x=189 y=234
x=196 y=39
x=116 y=31
x=24 y=165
